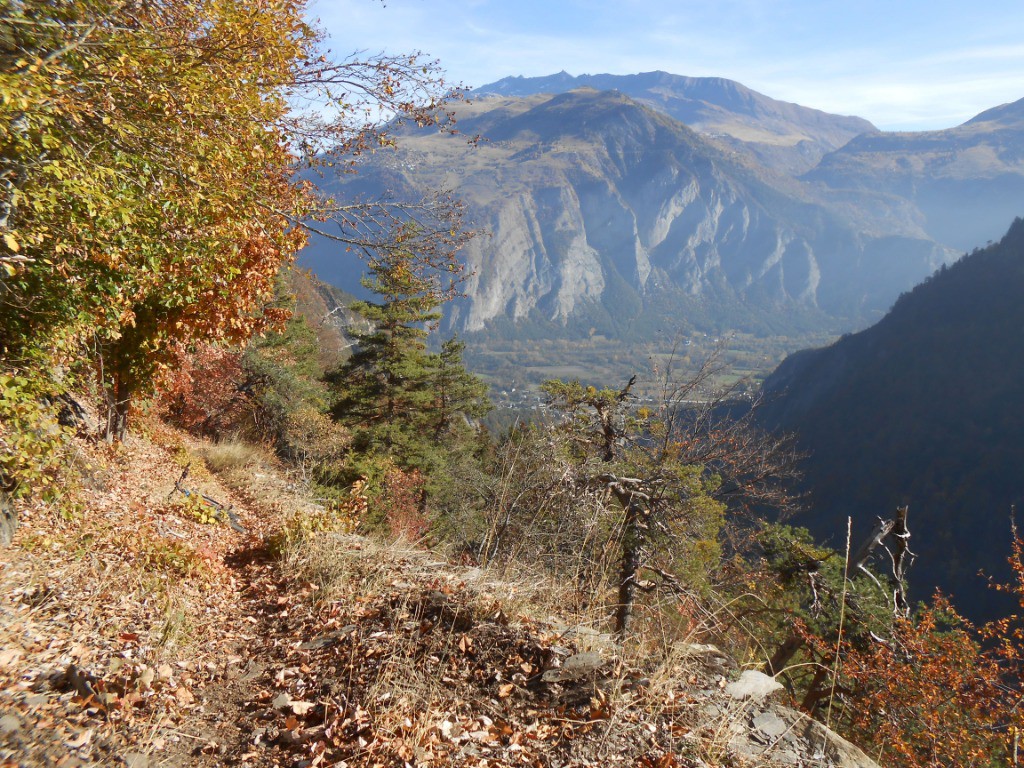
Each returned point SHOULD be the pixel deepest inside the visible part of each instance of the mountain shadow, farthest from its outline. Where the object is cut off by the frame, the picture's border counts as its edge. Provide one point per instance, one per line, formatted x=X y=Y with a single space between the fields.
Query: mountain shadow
x=925 y=408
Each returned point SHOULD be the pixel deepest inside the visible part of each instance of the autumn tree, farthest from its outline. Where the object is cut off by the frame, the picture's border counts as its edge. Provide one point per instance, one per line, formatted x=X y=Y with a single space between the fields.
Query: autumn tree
x=921 y=688
x=667 y=510
x=927 y=695
x=148 y=174
x=140 y=179
x=673 y=468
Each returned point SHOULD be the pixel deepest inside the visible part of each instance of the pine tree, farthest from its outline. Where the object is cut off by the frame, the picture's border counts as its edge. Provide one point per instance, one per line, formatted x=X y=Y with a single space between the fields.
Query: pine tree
x=401 y=401
x=383 y=388
x=458 y=394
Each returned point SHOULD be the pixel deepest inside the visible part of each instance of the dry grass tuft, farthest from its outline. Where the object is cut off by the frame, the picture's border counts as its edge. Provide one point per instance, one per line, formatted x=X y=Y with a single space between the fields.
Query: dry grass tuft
x=231 y=454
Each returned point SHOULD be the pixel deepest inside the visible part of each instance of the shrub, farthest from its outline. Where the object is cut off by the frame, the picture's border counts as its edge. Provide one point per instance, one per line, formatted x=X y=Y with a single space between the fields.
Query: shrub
x=32 y=440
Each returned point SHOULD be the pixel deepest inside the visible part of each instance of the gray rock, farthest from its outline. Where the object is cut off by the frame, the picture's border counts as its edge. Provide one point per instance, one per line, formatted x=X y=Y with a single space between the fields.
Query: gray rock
x=575 y=667
x=753 y=686
x=770 y=724
x=833 y=748
x=8 y=519
x=10 y=724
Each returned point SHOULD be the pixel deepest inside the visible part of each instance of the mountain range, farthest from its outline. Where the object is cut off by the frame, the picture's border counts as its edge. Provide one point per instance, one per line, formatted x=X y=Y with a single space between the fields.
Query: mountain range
x=604 y=214
x=926 y=408
x=967 y=182
x=636 y=206
x=777 y=134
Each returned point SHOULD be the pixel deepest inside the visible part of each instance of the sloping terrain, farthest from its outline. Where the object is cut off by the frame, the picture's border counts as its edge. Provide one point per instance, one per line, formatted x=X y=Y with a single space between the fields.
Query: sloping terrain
x=967 y=181
x=138 y=629
x=926 y=408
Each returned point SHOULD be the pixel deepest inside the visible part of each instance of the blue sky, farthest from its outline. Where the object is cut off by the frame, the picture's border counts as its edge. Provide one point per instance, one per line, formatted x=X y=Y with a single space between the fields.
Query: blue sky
x=902 y=64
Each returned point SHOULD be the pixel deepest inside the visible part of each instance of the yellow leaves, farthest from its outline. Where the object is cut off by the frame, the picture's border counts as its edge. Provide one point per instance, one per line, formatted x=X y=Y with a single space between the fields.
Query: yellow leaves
x=11 y=242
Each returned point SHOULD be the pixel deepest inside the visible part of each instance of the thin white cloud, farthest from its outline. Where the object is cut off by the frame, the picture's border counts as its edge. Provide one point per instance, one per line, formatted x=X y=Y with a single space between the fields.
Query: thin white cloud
x=912 y=64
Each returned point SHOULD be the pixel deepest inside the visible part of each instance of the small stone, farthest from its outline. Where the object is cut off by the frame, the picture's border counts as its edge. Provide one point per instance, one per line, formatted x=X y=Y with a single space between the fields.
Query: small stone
x=787 y=757
x=575 y=667
x=137 y=760
x=753 y=685
x=770 y=724
x=10 y=724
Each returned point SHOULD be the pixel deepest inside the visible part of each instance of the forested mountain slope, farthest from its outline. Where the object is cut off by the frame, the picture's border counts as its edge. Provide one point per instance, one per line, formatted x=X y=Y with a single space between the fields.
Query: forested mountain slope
x=926 y=408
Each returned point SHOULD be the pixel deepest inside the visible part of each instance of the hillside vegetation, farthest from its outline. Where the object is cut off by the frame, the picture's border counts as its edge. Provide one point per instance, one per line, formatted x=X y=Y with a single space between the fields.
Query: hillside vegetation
x=238 y=533
x=925 y=409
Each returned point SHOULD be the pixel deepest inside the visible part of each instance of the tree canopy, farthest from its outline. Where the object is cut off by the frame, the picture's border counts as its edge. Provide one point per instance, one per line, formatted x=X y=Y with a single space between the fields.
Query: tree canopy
x=150 y=188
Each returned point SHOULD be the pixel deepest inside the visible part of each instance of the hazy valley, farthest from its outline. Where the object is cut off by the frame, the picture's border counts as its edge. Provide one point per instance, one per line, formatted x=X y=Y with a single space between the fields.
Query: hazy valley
x=602 y=215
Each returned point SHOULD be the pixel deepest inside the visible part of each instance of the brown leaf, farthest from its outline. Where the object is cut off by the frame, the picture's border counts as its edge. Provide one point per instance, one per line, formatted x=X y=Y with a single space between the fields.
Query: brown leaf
x=83 y=738
x=301 y=708
x=184 y=696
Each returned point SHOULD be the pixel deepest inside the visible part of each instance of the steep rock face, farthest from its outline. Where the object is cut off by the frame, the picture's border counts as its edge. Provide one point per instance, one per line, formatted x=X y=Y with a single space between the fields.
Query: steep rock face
x=926 y=408
x=600 y=211
x=786 y=137
x=967 y=181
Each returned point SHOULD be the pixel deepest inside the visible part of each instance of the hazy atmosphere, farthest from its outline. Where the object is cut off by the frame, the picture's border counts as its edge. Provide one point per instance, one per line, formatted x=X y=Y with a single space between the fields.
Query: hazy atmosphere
x=903 y=66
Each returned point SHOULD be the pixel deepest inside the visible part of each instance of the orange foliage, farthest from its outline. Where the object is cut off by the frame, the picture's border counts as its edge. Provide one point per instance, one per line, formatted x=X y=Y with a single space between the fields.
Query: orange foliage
x=938 y=691
x=204 y=391
x=929 y=696
x=403 y=498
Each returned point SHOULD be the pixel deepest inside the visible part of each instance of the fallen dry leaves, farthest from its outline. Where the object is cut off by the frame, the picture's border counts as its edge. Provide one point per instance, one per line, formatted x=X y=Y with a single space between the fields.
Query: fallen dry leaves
x=133 y=634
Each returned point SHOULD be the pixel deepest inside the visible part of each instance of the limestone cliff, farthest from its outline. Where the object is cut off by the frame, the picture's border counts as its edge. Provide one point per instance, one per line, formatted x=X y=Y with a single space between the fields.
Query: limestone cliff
x=598 y=211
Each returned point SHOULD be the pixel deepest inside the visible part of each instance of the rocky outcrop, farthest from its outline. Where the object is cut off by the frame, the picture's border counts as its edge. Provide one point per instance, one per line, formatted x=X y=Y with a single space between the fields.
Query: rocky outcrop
x=745 y=711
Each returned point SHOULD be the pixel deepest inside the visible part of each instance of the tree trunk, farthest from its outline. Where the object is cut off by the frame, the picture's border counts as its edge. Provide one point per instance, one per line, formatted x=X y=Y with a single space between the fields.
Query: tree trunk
x=632 y=544
x=784 y=654
x=902 y=558
x=8 y=518
x=119 y=405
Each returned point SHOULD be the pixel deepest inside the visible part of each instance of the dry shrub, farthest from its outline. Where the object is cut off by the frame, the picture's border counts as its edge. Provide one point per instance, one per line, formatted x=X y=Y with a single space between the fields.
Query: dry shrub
x=314 y=443
x=340 y=515
x=205 y=391
x=404 y=502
